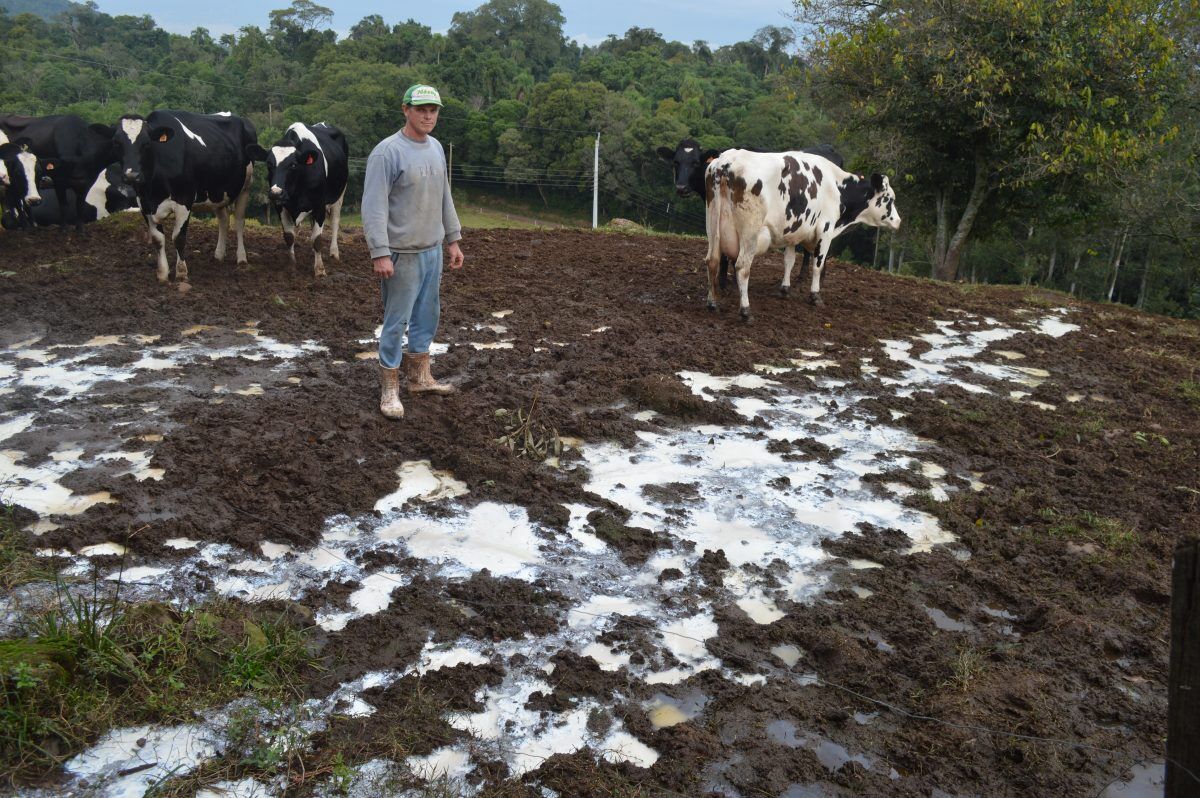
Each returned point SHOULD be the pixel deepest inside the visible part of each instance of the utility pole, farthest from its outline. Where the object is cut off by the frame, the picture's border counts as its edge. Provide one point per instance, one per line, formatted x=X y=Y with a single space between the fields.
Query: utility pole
x=596 y=184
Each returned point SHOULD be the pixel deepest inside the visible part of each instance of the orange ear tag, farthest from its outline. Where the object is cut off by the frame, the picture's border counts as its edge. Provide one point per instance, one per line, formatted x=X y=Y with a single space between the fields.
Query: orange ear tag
x=49 y=167
x=162 y=136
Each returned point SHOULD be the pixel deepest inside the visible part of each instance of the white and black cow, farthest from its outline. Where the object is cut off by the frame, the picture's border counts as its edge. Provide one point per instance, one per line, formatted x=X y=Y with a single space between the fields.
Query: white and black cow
x=688 y=161
x=72 y=151
x=19 y=177
x=307 y=171
x=756 y=201
x=108 y=195
x=181 y=162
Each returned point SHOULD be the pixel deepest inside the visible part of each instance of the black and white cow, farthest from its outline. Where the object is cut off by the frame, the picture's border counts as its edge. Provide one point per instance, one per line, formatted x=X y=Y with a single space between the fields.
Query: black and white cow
x=19 y=177
x=755 y=201
x=181 y=162
x=307 y=171
x=73 y=153
x=688 y=161
x=108 y=195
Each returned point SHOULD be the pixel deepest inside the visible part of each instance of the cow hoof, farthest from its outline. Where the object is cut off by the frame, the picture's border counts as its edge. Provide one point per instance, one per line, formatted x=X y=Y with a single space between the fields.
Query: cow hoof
x=745 y=314
x=784 y=290
x=712 y=307
x=815 y=299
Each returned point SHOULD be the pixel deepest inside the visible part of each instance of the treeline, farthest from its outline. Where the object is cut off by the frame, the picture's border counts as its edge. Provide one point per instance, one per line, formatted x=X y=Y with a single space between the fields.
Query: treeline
x=523 y=104
x=1039 y=141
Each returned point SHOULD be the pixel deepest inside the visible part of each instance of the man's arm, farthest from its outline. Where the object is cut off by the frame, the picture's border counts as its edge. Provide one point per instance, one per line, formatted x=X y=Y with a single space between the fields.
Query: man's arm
x=377 y=184
x=453 y=229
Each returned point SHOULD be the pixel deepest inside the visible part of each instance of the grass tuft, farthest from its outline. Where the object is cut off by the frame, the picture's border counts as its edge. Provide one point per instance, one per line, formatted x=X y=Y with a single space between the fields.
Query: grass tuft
x=95 y=662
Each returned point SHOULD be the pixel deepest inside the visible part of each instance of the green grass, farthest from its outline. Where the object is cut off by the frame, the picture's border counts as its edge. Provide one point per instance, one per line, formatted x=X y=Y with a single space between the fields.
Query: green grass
x=94 y=662
x=18 y=564
x=1190 y=391
x=1109 y=535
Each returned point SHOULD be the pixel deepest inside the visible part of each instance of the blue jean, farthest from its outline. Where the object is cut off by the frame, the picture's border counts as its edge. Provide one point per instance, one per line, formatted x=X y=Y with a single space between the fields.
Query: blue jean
x=412 y=298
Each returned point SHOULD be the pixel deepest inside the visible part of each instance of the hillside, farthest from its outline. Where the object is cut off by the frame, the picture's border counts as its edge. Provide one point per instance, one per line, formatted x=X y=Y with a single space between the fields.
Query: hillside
x=46 y=9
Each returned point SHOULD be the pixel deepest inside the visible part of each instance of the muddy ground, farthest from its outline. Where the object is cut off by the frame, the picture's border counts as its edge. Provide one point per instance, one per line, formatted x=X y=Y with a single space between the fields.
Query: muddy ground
x=1072 y=536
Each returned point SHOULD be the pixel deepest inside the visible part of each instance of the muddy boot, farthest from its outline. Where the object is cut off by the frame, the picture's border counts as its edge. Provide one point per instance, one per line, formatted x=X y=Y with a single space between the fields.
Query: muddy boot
x=389 y=395
x=416 y=371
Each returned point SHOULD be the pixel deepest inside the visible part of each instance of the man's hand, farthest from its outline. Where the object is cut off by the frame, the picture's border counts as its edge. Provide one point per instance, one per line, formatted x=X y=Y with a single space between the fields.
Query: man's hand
x=456 y=256
x=383 y=266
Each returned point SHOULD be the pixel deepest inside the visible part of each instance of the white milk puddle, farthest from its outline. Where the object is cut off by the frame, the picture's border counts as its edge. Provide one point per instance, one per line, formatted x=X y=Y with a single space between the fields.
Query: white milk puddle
x=61 y=376
x=767 y=513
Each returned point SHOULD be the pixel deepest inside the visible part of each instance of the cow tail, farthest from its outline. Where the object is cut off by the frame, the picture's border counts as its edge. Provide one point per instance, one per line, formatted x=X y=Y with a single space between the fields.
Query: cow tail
x=712 y=218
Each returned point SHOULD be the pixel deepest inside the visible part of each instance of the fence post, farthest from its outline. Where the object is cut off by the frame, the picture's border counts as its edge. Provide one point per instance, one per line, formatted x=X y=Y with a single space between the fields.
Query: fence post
x=1183 y=681
x=596 y=184
x=450 y=167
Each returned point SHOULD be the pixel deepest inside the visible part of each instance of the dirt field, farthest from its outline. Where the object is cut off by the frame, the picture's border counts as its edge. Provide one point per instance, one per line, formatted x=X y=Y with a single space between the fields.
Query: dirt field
x=939 y=514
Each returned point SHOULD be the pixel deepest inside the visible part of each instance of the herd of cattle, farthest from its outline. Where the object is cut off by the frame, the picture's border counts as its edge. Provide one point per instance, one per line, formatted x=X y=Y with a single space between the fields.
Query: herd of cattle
x=171 y=163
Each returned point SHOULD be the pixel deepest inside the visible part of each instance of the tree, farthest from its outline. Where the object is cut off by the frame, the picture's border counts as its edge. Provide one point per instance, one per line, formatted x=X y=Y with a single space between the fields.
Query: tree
x=527 y=31
x=976 y=94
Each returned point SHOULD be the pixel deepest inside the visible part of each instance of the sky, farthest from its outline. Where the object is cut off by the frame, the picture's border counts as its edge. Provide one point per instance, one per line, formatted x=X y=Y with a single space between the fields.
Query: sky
x=588 y=21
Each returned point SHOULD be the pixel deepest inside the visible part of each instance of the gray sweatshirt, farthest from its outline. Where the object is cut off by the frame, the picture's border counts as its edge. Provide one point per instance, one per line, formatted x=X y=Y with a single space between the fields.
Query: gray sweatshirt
x=406 y=204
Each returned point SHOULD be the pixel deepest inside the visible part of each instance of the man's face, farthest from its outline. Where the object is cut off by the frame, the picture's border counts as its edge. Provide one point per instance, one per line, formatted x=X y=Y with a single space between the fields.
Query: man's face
x=422 y=118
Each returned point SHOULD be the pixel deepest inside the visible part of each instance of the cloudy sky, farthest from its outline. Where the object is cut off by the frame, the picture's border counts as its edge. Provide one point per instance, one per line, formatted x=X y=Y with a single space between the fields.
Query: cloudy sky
x=588 y=21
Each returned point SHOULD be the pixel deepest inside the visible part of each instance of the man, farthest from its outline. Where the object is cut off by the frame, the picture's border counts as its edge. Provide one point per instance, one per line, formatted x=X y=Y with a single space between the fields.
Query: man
x=407 y=215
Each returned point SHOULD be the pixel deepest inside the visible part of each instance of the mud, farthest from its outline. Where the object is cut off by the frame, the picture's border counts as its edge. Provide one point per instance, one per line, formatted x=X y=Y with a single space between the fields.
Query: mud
x=1059 y=578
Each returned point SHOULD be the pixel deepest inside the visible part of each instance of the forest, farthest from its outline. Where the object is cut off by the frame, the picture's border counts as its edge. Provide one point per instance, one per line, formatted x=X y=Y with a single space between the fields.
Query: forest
x=1047 y=142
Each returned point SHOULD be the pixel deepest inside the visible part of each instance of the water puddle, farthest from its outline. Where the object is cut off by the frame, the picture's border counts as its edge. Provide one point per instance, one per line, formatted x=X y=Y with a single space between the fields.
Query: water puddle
x=944 y=622
x=1148 y=781
x=789 y=655
x=665 y=710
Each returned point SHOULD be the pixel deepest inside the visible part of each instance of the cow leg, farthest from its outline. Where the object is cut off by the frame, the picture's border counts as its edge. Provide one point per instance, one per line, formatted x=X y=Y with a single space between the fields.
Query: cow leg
x=239 y=214
x=158 y=239
x=222 y=233
x=744 y=261
x=179 y=237
x=80 y=205
x=60 y=194
x=318 y=228
x=712 y=264
x=723 y=281
x=335 y=222
x=818 y=265
x=789 y=260
x=289 y=234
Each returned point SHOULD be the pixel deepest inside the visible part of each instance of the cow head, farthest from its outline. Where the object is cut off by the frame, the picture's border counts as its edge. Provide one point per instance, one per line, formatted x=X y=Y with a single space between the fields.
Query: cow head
x=21 y=170
x=688 y=162
x=881 y=210
x=868 y=200
x=47 y=171
x=291 y=167
x=140 y=146
x=110 y=193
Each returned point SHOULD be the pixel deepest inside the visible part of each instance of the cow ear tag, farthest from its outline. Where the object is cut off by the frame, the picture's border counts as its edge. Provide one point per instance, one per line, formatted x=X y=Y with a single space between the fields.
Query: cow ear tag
x=162 y=136
x=49 y=166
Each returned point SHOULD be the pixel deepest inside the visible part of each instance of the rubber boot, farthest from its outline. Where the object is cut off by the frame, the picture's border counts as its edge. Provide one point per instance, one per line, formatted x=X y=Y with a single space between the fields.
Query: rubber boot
x=420 y=380
x=389 y=395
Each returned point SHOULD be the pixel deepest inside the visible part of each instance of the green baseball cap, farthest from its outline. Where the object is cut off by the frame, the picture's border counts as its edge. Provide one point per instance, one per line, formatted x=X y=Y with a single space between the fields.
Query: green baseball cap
x=420 y=94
